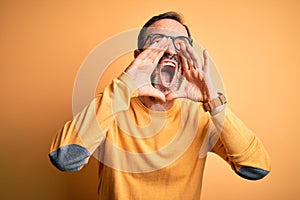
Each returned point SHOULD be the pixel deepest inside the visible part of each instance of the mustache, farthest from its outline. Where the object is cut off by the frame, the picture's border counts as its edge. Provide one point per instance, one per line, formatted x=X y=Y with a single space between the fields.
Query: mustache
x=178 y=76
x=174 y=57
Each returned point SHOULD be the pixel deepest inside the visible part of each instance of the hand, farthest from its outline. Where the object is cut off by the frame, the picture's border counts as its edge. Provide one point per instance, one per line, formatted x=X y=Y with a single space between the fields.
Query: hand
x=199 y=86
x=141 y=68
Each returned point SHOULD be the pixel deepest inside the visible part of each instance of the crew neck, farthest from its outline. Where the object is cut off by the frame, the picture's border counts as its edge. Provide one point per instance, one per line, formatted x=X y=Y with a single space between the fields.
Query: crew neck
x=175 y=107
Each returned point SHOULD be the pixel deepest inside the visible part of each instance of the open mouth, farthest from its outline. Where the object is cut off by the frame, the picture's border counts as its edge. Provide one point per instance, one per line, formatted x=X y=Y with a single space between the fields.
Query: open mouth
x=167 y=72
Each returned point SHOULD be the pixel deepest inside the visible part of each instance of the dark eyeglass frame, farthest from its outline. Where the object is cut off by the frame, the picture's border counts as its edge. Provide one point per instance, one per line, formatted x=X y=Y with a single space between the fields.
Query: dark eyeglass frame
x=150 y=37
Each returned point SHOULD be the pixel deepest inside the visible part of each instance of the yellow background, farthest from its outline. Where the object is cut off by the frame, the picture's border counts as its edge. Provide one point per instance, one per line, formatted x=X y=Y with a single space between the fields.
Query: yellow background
x=255 y=45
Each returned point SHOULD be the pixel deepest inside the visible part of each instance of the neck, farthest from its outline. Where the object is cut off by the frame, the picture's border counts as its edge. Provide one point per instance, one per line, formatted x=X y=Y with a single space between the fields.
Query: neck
x=156 y=104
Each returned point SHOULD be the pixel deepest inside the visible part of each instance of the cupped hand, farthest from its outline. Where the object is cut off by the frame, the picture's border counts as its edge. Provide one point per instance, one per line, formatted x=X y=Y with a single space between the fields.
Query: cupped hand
x=199 y=85
x=141 y=68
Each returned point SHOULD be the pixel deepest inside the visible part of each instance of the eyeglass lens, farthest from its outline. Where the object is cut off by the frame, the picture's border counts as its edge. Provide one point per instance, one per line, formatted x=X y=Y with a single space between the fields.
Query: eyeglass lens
x=177 y=41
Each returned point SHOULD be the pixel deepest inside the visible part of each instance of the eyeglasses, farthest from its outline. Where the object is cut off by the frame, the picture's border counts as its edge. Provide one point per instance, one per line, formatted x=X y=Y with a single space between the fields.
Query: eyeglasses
x=177 y=41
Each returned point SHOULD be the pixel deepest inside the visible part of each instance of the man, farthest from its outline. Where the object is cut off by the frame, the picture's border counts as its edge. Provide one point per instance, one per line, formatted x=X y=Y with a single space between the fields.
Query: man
x=153 y=125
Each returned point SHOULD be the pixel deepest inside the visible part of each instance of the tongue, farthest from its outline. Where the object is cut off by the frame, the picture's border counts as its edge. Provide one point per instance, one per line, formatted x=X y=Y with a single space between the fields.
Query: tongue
x=166 y=79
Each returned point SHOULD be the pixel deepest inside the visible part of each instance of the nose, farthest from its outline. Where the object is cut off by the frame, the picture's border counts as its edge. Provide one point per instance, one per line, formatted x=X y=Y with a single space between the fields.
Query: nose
x=171 y=48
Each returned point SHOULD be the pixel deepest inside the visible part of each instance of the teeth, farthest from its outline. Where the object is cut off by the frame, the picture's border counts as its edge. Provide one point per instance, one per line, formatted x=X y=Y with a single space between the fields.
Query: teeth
x=169 y=63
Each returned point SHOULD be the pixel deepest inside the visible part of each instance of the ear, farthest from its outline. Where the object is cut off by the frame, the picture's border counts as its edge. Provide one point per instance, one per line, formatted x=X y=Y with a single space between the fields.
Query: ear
x=136 y=53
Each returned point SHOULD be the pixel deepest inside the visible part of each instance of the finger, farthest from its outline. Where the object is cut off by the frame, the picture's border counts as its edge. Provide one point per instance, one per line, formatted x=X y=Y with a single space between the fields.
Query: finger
x=198 y=72
x=158 y=94
x=149 y=90
x=175 y=94
x=148 y=59
x=184 y=64
x=206 y=66
x=152 y=49
x=158 y=52
x=183 y=52
x=187 y=71
x=194 y=57
x=141 y=59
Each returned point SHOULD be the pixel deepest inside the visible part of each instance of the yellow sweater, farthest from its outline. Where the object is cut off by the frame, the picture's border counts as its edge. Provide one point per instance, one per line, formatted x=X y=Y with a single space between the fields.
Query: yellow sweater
x=146 y=154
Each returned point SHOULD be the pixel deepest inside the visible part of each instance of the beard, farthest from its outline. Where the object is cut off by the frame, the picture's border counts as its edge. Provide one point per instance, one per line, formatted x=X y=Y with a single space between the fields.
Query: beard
x=168 y=74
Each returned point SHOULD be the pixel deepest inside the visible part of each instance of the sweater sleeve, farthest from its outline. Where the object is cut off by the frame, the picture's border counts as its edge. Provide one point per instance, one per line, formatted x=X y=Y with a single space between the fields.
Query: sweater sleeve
x=80 y=137
x=240 y=147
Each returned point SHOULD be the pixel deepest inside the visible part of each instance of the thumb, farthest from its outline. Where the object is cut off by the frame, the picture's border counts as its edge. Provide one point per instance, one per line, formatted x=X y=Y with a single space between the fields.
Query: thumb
x=174 y=95
x=158 y=94
x=151 y=91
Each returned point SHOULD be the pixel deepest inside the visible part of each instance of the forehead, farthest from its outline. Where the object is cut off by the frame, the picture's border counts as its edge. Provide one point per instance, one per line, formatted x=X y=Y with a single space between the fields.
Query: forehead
x=168 y=27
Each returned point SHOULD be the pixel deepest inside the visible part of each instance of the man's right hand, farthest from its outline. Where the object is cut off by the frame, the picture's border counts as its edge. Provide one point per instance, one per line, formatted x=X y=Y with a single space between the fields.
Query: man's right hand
x=141 y=68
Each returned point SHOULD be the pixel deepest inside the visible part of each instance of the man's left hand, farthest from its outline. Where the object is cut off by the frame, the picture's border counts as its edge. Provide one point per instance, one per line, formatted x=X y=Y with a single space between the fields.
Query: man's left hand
x=199 y=86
